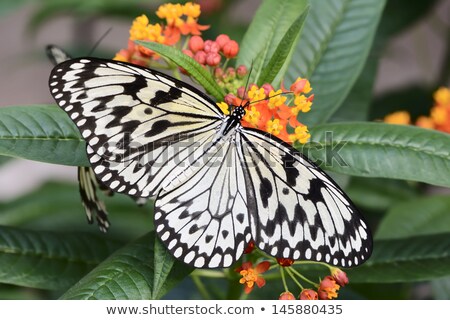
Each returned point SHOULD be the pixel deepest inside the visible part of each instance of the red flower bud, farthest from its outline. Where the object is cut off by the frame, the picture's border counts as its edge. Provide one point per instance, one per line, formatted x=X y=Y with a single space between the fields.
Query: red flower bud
x=222 y=39
x=211 y=46
x=218 y=73
x=285 y=262
x=241 y=93
x=230 y=49
x=231 y=73
x=200 y=57
x=339 y=276
x=188 y=53
x=230 y=99
x=196 y=43
x=308 y=294
x=242 y=71
x=267 y=88
x=286 y=296
x=212 y=59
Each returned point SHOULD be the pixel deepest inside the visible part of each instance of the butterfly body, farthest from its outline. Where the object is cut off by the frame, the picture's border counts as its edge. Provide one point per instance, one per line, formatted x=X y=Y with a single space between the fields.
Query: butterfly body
x=217 y=185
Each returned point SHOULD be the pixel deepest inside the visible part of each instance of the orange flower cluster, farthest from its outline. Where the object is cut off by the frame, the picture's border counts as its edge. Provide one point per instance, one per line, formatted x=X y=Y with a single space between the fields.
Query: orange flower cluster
x=273 y=111
x=179 y=20
x=327 y=288
x=270 y=110
x=439 y=118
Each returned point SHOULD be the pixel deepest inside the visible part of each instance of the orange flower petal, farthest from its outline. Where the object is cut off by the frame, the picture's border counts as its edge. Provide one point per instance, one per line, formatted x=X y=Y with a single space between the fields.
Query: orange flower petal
x=262 y=267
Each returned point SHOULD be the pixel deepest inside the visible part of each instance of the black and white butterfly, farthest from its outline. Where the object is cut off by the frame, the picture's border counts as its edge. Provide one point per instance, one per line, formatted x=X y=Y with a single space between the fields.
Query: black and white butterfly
x=217 y=185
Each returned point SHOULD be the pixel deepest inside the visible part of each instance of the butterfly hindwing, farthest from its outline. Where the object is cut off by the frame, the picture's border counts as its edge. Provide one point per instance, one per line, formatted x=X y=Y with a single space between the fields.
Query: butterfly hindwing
x=204 y=221
x=301 y=213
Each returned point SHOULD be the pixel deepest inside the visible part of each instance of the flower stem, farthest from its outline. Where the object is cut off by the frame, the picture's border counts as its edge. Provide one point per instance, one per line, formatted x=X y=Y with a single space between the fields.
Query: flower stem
x=208 y=273
x=298 y=274
x=289 y=271
x=283 y=278
x=200 y=287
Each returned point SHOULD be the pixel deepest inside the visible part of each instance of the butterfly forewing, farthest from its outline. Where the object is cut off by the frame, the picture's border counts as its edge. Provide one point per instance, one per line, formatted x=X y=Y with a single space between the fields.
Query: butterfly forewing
x=87 y=181
x=301 y=213
x=139 y=124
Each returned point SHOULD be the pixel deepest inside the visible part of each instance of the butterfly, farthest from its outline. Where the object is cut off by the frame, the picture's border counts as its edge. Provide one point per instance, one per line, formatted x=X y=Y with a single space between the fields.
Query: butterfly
x=217 y=185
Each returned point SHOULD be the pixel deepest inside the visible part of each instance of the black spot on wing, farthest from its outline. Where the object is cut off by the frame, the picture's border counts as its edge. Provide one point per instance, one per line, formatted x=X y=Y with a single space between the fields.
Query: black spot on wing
x=240 y=217
x=164 y=96
x=291 y=172
x=158 y=127
x=265 y=191
x=315 y=191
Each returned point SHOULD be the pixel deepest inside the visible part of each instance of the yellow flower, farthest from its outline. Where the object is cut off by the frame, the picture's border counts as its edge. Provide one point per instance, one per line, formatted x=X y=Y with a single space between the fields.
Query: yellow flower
x=301 y=134
x=276 y=99
x=425 y=122
x=399 y=117
x=252 y=116
x=224 y=107
x=302 y=103
x=274 y=126
x=191 y=10
x=139 y=30
x=442 y=96
x=256 y=94
x=172 y=13
x=120 y=57
x=439 y=114
x=155 y=33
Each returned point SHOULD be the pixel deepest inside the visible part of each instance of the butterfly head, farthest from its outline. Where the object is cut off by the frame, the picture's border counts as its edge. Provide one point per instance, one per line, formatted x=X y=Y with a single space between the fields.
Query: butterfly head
x=238 y=112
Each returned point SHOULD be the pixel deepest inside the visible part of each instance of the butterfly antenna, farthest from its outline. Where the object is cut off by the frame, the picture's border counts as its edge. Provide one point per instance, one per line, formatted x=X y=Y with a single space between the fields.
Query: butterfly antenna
x=99 y=41
x=275 y=95
x=248 y=80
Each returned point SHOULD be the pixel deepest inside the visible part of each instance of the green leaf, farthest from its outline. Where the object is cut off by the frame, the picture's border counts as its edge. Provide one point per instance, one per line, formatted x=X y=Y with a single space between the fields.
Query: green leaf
x=57 y=206
x=41 y=133
x=382 y=150
x=406 y=260
x=269 y=26
x=356 y=106
x=332 y=50
x=204 y=78
x=134 y=272
x=276 y=67
x=423 y=216
x=379 y=194
x=49 y=260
